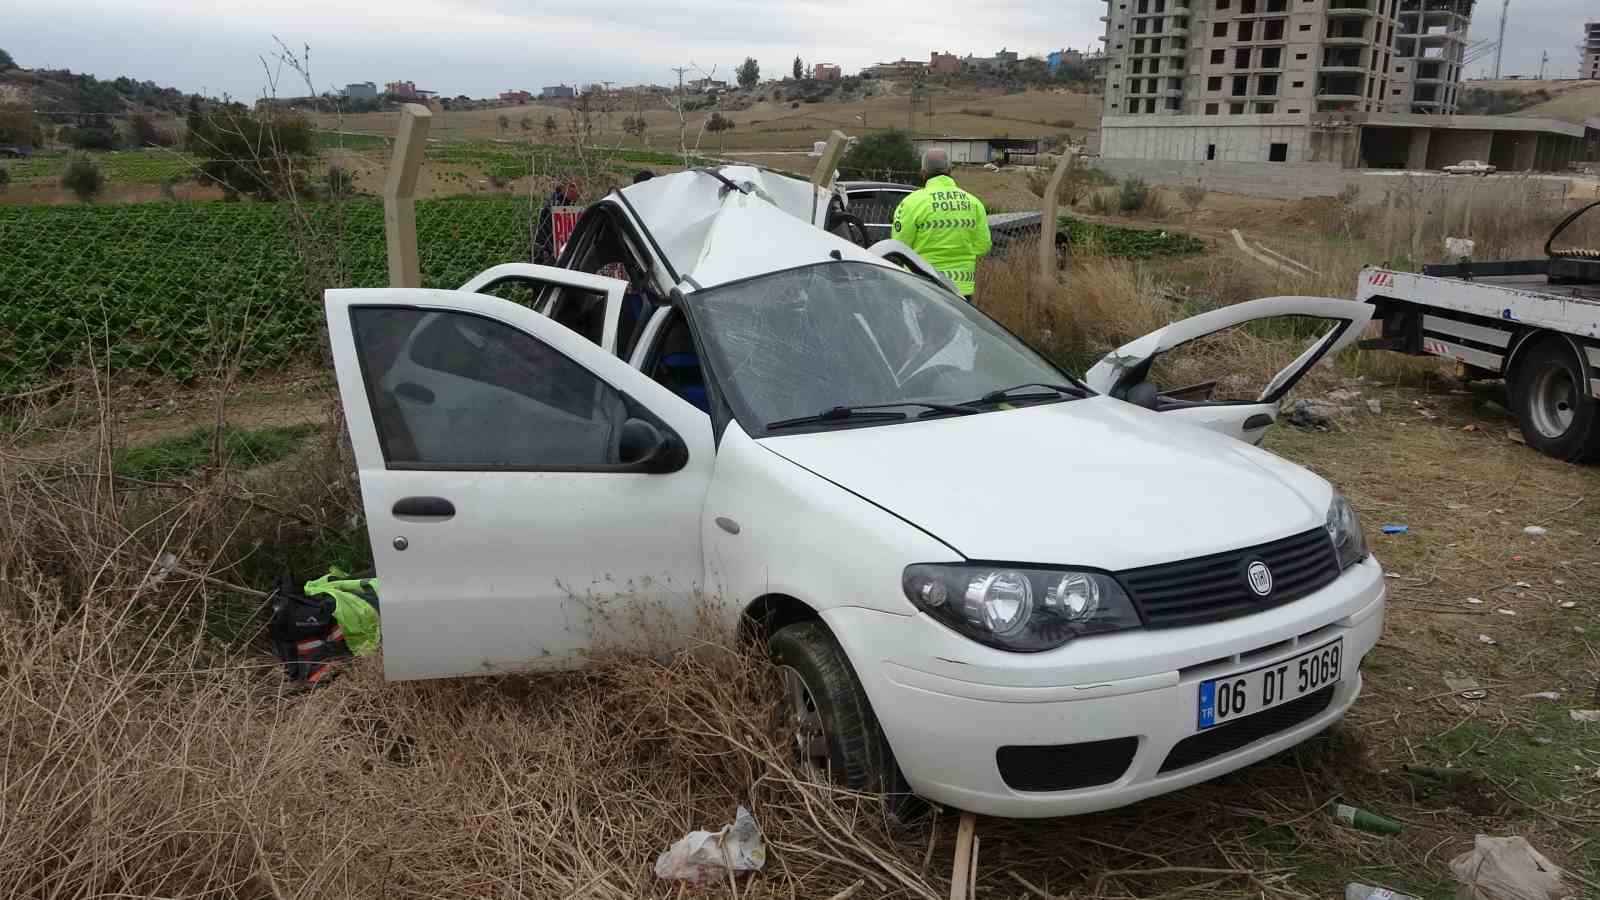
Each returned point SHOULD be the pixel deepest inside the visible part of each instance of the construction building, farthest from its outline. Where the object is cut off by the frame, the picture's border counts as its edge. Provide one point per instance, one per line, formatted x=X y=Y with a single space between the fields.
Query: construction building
x=1339 y=83
x=826 y=72
x=1589 y=64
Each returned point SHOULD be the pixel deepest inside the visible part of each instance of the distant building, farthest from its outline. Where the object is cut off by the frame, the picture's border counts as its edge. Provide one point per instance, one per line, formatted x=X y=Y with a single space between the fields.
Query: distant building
x=975 y=150
x=557 y=92
x=703 y=85
x=901 y=68
x=1058 y=58
x=1001 y=61
x=364 y=90
x=515 y=96
x=944 y=63
x=1590 y=48
x=826 y=72
x=407 y=90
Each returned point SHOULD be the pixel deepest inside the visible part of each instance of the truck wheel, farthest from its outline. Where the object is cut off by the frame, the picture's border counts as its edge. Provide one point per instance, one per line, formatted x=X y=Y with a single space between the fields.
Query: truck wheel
x=1550 y=393
x=835 y=733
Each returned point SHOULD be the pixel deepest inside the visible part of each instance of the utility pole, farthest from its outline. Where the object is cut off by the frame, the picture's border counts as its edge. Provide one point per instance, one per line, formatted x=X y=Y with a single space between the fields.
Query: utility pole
x=1501 y=49
x=1544 y=64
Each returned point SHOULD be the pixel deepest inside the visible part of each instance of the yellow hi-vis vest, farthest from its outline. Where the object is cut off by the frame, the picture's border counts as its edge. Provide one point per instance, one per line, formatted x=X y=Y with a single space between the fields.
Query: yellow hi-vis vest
x=947 y=226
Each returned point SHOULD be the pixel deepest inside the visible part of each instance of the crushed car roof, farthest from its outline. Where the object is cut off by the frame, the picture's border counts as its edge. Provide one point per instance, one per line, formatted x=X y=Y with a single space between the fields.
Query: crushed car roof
x=713 y=233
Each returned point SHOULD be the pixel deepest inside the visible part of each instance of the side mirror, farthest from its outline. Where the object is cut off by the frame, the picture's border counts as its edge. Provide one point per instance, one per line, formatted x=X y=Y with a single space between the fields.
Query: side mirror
x=646 y=448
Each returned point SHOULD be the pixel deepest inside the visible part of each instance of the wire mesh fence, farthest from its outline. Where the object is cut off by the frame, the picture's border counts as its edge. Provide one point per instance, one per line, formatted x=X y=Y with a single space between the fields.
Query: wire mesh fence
x=156 y=275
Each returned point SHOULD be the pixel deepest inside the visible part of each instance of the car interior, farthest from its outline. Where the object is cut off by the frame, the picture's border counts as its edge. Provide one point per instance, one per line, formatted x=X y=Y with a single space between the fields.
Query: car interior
x=607 y=250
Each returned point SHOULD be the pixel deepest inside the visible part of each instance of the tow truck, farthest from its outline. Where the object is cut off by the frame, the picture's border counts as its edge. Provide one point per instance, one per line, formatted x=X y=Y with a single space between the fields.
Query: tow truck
x=1534 y=323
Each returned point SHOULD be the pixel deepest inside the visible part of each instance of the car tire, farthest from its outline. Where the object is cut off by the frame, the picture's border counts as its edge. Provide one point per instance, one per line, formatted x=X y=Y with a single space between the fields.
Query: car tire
x=1549 y=394
x=857 y=754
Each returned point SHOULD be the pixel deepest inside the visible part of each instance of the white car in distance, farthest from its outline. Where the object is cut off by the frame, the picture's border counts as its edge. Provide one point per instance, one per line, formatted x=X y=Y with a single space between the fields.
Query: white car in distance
x=983 y=581
x=1470 y=167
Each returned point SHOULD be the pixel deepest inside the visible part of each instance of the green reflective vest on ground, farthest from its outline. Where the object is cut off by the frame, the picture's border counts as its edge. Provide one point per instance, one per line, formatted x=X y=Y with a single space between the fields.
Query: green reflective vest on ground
x=947 y=226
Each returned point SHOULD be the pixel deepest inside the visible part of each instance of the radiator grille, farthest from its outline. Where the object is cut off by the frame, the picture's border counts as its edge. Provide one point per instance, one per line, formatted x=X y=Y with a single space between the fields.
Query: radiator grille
x=1216 y=587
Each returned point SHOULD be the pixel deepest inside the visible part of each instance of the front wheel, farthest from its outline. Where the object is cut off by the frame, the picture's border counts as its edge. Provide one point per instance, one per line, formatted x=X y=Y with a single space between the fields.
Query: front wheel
x=1550 y=394
x=835 y=734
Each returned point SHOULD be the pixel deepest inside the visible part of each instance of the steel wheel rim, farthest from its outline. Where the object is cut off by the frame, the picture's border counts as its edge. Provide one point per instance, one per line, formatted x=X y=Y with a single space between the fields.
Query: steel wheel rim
x=1554 y=403
x=801 y=716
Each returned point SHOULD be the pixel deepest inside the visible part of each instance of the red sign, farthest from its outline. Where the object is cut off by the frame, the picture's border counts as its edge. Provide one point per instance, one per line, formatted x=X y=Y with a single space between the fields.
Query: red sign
x=563 y=219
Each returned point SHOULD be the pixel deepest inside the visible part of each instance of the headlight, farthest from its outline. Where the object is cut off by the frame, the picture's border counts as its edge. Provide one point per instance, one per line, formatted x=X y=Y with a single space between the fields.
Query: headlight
x=1016 y=608
x=1345 y=529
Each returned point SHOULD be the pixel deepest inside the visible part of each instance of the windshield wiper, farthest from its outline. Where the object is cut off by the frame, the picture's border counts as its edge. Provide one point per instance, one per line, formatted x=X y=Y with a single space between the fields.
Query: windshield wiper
x=1010 y=394
x=877 y=412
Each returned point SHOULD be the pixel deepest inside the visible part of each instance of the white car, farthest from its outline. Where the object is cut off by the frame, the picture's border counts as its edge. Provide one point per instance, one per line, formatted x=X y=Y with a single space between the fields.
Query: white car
x=983 y=581
x=1470 y=167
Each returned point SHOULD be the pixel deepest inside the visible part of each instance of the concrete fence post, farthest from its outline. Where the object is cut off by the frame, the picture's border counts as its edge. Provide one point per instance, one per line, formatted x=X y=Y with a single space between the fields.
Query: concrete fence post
x=1047 y=224
x=399 y=196
x=829 y=163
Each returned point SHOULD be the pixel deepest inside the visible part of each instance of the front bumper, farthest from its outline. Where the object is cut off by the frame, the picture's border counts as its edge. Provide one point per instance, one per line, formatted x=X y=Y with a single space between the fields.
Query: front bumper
x=947 y=704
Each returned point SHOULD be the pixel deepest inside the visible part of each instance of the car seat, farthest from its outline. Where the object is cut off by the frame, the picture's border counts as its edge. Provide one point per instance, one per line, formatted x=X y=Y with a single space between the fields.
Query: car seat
x=680 y=373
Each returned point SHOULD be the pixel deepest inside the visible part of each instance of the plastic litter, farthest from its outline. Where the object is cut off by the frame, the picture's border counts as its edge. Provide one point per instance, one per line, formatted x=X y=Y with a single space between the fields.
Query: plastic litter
x=1485 y=639
x=1543 y=695
x=1357 y=891
x=1568 y=604
x=1365 y=821
x=1584 y=715
x=1506 y=612
x=1392 y=528
x=1506 y=869
x=1535 y=531
x=1474 y=601
x=701 y=856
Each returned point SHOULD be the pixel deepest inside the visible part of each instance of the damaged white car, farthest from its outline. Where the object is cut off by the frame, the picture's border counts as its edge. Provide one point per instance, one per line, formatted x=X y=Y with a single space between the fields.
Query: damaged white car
x=985 y=581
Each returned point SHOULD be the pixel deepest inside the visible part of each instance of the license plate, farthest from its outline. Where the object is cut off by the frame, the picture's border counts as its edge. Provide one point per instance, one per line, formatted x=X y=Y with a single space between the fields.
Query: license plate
x=1224 y=700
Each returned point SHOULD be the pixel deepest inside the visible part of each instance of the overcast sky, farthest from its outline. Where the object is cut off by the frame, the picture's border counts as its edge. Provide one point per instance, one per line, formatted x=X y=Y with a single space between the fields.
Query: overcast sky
x=481 y=47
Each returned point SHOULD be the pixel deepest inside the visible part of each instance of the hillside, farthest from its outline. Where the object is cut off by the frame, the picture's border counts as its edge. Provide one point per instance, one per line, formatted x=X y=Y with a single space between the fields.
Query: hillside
x=1572 y=101
x=784 y=124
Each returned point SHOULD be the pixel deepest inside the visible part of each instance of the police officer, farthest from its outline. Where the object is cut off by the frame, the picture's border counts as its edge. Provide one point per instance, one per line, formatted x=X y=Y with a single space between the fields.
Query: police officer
x=945 y=225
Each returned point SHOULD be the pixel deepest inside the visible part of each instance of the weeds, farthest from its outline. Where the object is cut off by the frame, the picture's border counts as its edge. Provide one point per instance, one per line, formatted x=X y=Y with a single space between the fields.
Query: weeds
x=242 y=447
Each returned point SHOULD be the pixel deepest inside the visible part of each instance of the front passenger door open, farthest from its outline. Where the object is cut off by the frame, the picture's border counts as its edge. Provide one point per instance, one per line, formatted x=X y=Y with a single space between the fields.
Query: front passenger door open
x=1173 y=371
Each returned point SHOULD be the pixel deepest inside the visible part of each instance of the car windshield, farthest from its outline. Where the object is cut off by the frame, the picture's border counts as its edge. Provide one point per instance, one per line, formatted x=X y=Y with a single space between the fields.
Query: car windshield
x=802 y=342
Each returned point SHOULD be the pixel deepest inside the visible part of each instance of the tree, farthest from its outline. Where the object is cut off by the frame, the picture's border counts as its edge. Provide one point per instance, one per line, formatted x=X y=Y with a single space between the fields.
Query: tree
x=886 y=155
x=248 y=155
x=82 y=177
x=145 y=132
x=799 y=69
x=504 y=121
x=749 y=73
x=635 y=126
x=98 y=135
x=6 y=62
x=550 y=127
x=526 y=123
x=718 y=124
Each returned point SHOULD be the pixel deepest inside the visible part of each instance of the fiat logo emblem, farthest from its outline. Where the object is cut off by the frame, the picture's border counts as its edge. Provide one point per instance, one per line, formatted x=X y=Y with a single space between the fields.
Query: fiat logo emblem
x=1260 y=578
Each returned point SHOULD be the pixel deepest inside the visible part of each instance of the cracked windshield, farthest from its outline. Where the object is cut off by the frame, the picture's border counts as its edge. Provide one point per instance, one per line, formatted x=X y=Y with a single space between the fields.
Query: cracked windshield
x=803 y=342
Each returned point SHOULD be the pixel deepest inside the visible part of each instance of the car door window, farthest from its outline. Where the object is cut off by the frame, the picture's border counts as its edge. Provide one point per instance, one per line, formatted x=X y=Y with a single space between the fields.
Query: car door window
x=453 y=390
x=876 y=207
x=582 y=311
x=1236 y=364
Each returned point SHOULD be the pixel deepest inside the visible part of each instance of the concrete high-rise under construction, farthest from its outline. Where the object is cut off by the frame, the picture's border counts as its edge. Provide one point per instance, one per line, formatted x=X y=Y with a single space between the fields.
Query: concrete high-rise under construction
x=1268 y=57
x=1589 y=64
x=1214 y=89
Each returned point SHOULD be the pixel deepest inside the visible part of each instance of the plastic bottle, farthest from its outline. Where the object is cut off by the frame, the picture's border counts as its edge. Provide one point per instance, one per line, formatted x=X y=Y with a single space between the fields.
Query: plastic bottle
x=1358 y=891
x=1366 y=821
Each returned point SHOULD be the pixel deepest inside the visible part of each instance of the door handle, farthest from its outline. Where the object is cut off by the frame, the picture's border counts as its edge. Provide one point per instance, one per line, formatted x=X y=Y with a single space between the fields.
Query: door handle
x=436 y=508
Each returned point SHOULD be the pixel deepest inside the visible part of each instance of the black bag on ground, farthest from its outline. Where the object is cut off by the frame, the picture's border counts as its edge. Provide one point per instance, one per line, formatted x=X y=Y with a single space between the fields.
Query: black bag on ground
x=304 y=634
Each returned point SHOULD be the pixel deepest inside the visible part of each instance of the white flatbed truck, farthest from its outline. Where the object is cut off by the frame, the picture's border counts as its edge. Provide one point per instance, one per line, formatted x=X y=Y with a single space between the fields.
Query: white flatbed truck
x=1534 y=323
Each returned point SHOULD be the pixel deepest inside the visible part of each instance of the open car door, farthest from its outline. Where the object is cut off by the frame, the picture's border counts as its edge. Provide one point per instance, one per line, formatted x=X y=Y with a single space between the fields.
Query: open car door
x=523 y=488
x=588 y=304
x=1190 y=369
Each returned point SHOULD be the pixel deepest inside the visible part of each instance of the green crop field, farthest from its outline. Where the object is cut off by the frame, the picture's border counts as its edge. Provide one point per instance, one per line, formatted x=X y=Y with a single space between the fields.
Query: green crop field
x=152 y=166
x=171 y=288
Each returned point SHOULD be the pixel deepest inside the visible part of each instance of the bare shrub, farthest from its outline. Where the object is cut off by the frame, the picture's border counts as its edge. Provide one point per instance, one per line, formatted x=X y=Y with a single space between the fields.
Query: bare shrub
x=1133 y=195
x=1193 y=195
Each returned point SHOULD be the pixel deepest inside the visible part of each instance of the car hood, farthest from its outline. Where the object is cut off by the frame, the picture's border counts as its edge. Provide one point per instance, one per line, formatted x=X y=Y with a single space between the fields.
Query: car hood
x=1097 y=482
